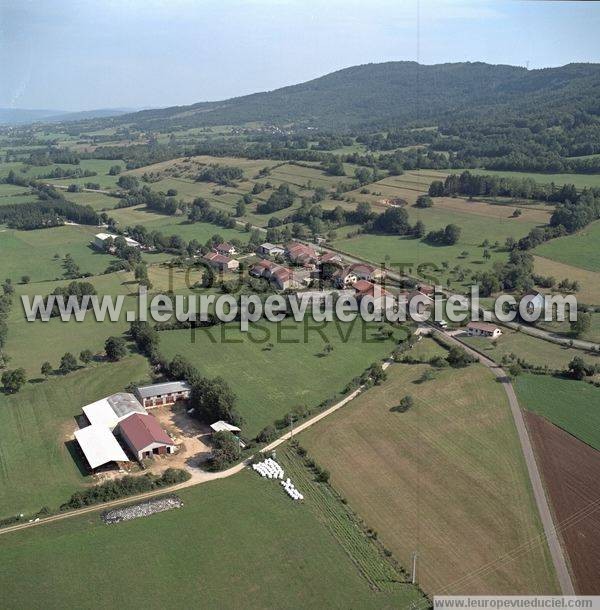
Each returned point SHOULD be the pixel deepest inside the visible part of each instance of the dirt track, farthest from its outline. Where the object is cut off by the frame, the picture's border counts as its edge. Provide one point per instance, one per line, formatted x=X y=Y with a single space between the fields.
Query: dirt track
x=571 y=472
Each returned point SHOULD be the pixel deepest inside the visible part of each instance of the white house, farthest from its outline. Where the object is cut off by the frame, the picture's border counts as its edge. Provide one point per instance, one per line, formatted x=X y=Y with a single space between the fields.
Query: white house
x=100 y=239
x=483 y=329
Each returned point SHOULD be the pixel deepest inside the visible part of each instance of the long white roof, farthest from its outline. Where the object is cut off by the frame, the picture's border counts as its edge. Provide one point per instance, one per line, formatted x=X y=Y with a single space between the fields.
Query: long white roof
x=109 y=411
x=99 y=446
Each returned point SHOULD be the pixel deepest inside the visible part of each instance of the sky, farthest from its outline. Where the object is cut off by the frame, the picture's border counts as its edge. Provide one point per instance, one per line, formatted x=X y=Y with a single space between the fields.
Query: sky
x=90 y=54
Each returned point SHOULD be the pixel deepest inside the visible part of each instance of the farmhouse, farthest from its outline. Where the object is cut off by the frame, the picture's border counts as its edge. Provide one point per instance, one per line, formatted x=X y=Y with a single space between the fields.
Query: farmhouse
x=108 y=412
x=99 y=446
x=483 y=329
x=226 y=249
x=160 y=394
x=221 y=262
x=270 y=250
x=144 y=436
x=379 y=294
x=301 y=254
x=100 y=240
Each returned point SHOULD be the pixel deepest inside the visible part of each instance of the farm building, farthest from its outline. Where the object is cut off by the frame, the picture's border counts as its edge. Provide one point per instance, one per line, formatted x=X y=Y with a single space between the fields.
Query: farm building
x=99 y=446
x=270 y=250
x=100 y=240
x=226 y=249
x=144 y=436
x=483 y=329
x=160 y=394
x=109 y=411
x=223 y=426
x=221 y=262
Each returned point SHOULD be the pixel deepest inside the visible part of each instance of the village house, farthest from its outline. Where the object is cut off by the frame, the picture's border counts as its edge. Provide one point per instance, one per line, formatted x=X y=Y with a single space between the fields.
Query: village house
x=160 y=394
x=364 y=288
x=144 y=436
x=226 y=249
x=282 y=277
x=221 y=262
x=483 y=329
x=270 y=250
x=331 y=258
x=301 y=254
x=348 y=276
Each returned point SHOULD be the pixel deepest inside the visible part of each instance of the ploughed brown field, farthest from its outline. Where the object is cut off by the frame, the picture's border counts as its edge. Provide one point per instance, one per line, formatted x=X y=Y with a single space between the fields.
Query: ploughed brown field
x=571 y=473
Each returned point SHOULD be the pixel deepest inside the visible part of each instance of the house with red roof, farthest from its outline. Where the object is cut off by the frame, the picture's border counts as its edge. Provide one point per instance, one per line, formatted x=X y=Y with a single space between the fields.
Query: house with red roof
x=301 y=254
x=221 y=262
x=144 y=436
x=226 y=249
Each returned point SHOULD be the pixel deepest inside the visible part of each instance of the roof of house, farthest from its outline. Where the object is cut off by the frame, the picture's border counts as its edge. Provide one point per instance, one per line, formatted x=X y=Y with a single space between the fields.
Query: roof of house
x=362 y=285
x=157 y=389
x=215 y=257
x=143 y=430
x=99 y=445
x=360 y=268
x=282 y=273
x=223 y=426
x=110 y=410
x=296 y=250
x=269 y=246
x=490 y=328
x=225 y=246
x=330 y=256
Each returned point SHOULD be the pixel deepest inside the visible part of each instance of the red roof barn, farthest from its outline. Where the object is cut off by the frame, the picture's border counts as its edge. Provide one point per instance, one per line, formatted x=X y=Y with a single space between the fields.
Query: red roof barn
x=144 y=436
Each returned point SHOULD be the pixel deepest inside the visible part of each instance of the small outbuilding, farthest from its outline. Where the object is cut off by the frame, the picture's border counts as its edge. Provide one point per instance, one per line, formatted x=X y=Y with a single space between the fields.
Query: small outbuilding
x=223 y=426
x=145 y=437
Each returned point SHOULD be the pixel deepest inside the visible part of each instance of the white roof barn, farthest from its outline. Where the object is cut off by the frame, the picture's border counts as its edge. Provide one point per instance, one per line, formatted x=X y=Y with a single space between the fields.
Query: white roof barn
x=223 y=426
x=111 y=410
x=99 y=446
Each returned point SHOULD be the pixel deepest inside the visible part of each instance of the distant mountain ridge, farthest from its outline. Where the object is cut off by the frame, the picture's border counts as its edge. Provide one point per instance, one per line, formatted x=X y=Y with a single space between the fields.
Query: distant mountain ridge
x=389 y=94
x=396 y=92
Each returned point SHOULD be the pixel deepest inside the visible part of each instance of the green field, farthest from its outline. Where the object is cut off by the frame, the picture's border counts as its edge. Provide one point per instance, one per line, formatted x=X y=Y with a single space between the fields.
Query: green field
x=531 y=349
x=580 y=249
x=36 y=467
x=236 y=543
x=589 y=281
x=446 y=478
x=33 y=252
x=564 y=328
x=271 y=382
x=571 y=405
x=99 y=201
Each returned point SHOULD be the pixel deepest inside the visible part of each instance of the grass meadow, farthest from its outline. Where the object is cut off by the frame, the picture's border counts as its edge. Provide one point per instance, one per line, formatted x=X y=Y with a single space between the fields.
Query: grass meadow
x=589 y=281
x=447 y=478
x=36 y=425
x=277 y=366
x=531 y=349
x=571 y=405
x=240 y=542
x=581 y=249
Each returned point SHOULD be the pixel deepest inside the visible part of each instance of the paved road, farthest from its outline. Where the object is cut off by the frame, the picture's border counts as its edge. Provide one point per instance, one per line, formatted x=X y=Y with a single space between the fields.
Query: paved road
x=556 y=550
x=198 y=476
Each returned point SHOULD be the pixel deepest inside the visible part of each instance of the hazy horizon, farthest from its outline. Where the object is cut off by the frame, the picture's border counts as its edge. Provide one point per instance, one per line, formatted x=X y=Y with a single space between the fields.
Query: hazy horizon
x=76 y=56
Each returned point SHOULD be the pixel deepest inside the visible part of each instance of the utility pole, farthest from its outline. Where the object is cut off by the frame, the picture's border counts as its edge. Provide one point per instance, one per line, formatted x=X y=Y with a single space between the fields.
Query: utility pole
x=414 y=568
